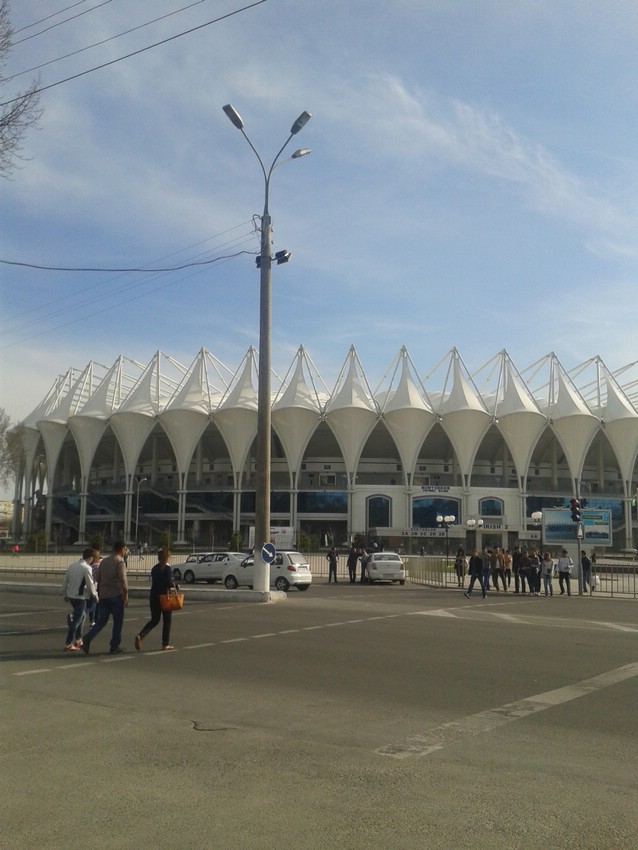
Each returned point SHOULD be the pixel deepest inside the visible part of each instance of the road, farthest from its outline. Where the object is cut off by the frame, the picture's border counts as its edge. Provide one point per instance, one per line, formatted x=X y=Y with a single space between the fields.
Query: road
x=349 y=716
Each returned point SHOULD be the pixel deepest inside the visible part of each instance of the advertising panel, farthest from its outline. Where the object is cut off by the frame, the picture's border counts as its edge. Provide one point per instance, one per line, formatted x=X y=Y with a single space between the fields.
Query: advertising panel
x=558 y=526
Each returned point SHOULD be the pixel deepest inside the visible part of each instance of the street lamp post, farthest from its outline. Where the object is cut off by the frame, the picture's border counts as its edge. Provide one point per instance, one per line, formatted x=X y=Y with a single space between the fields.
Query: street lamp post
x=137 y=514
x=445 y=522
x=474 y=525
x=261 y=575
x=537 y=519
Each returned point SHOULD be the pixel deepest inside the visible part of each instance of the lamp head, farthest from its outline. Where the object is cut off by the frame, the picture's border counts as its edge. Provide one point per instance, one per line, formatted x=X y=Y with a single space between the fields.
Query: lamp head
x=299 y=124
x=300 y=152
x=234 y=116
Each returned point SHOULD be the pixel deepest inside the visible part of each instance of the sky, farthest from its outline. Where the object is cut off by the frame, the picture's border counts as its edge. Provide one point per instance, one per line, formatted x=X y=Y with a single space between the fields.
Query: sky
x=473 y=183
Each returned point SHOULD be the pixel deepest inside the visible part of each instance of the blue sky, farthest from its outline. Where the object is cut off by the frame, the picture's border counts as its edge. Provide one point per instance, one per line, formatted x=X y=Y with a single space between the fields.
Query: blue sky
x=473 y=182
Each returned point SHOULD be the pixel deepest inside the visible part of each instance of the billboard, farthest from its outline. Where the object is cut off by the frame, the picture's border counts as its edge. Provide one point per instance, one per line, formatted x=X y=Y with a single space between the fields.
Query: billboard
x=558 y=526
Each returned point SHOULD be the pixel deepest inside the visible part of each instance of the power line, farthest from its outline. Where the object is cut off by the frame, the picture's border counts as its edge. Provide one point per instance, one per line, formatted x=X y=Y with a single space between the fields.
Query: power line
x=141 y=50
x=106 y=40
x=80 y=302
x=59 y=23
x=105 y=294
x=48 y=17
x=134 y=269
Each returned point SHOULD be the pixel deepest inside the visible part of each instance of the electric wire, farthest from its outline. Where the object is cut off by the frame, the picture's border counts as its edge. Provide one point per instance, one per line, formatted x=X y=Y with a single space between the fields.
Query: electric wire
x=106 y=40
x=41 y=89
x=48 y=17
x=107 y=290
x=59 y=23
x=132 y=269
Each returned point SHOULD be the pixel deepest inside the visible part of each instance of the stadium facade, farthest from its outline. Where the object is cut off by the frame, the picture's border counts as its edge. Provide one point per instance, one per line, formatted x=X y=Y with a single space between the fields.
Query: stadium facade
x=135 y=451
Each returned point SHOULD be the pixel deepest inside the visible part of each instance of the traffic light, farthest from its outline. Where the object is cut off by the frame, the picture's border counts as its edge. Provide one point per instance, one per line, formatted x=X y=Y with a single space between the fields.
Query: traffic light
x=575 y=504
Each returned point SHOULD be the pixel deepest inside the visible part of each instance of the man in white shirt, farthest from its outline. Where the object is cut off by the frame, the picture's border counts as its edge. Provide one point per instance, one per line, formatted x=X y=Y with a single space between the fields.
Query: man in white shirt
x=564 y=568
x=77 y=588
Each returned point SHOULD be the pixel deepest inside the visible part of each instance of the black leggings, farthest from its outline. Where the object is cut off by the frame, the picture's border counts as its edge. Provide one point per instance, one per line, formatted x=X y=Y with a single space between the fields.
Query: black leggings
x=156 y=614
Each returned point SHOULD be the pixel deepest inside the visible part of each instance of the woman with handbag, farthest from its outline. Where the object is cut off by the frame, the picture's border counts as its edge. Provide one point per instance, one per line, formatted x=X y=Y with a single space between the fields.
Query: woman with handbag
x=161 y=583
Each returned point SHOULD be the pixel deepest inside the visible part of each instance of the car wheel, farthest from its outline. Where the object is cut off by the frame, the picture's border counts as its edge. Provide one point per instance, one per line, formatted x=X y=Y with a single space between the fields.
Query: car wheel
x=402 y=581
x=176 y=574
x=303 y=586
x=281 y=583
x=231 y=582
x=189 y=577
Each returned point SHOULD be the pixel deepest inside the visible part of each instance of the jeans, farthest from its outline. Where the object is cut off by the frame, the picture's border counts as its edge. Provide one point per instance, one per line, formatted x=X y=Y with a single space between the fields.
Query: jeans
x=547 y=581
x=156 y=614
x=91 y=610
x=113 y=605
x=473 y=578
x=75 y=619
x=563 y=578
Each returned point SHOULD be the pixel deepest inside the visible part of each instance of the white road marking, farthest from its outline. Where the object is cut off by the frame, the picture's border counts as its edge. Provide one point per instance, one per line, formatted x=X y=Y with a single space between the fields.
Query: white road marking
x=484 y=721
x=33 y=672
x=437 y=612
x=199 y=645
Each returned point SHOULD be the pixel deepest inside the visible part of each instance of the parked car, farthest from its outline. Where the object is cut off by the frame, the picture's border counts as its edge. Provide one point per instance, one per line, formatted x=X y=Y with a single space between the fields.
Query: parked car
x=385 y=566
x=206 y=566
x=288 y=569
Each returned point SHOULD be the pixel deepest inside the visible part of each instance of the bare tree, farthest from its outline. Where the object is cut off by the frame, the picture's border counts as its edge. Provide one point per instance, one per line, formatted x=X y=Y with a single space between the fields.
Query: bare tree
x=10 y=450
x=20 y=111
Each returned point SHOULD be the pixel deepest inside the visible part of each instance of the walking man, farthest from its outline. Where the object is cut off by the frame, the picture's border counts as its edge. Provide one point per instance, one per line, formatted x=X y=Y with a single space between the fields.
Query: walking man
x=476 y=572
x=113 y=591
x=77 y=589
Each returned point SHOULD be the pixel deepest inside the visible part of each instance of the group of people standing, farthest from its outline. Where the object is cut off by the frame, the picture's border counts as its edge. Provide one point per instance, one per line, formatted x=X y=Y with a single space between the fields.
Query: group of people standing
x=355 y=557
x=99 y=588
x=524 y=566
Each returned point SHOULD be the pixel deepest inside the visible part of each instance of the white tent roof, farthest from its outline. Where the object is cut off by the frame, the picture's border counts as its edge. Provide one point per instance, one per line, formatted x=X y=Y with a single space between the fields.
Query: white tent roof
x=591 y=400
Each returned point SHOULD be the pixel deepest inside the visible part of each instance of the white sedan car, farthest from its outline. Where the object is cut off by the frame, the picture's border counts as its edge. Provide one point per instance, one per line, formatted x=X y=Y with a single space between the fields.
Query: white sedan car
x=206 y=566
x=385 y=566
x=288 y=569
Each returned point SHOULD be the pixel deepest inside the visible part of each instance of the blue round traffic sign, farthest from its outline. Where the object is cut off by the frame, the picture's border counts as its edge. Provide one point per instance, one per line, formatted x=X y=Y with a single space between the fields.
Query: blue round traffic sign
x=268 y=553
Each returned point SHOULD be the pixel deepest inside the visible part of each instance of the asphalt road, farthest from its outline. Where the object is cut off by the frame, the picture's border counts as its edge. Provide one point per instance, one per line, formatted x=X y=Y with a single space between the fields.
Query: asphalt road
x=348 y=716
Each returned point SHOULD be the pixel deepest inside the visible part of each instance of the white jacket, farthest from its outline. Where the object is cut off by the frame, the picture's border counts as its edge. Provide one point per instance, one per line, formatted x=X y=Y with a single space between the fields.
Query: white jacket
x=78 y=581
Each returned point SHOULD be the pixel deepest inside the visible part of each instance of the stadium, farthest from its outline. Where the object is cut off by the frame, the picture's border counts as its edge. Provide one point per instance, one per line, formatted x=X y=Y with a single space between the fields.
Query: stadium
x=139 y=451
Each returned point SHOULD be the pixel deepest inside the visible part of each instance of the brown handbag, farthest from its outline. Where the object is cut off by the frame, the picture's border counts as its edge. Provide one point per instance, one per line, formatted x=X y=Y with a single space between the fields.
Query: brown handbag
x=171 y=601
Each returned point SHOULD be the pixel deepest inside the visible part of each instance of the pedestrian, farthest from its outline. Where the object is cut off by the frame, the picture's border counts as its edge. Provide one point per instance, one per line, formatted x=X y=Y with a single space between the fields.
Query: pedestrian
x=547 y=571
x=585 y=565
x=460 y=567
x=534 y=575
x=77 y=588
x=525 y=573
x=475 y=572
x=161 y=583
x=507 y=562
x=16 y=550
x=564 y=567
x=113 y=593
x=497 y=568
x=486 y=558
x=365 y=557
x=353 y=559
x=92 y=604
x=516 y=567
x=332 y=559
